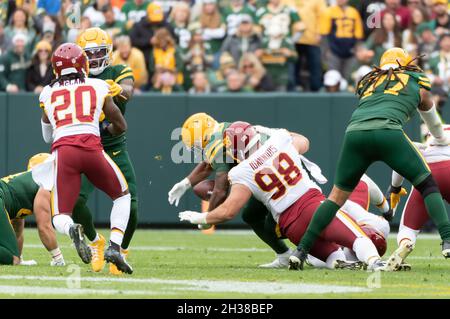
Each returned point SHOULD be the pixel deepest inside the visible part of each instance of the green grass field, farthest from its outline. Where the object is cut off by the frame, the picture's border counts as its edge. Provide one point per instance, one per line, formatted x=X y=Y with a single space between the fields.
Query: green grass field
x=189 y=264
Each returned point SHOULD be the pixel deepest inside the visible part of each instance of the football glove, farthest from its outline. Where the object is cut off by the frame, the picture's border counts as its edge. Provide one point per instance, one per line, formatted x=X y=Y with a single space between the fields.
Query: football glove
x=114 y=88
x=193 y=217
x=178 y=191
x=394 y=195
x=27 y=262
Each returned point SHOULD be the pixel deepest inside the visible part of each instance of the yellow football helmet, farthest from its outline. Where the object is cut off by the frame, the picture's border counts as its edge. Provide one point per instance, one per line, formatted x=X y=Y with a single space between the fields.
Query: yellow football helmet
x=393 y=57
x=37 y=159
x=98 y=46
x=197 y=130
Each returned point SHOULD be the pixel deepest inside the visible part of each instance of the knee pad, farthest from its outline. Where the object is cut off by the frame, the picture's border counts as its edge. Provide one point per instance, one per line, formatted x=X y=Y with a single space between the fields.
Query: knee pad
x=427 y=186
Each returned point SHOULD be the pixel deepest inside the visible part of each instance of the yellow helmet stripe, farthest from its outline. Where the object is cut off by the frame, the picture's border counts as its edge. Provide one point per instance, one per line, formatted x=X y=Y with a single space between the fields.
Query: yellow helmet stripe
x=217 y=148
x=425 y=84
x=211 y=149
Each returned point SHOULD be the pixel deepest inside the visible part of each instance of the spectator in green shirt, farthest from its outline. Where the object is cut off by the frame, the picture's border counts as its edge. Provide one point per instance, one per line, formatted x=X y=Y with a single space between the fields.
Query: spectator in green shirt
x=13 y=66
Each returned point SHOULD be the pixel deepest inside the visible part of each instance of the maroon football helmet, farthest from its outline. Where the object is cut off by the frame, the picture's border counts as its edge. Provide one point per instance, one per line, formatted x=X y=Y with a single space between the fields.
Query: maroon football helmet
x=69 y=58
x=239 y=138
x=377 y=239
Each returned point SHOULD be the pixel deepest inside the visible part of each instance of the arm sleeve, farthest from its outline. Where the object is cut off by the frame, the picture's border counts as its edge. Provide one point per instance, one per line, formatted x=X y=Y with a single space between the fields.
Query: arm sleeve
x=47 y=132
x=376 y=196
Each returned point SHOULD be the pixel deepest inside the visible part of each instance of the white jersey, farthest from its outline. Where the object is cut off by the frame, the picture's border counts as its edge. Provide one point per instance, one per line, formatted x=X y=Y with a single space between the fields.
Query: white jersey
x=433 y=154
x=75 y=107
x=274 y=174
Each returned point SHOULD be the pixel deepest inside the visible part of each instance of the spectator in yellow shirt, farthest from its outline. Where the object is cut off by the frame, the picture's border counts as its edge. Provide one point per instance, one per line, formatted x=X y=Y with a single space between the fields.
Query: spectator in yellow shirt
x=308 y=42
x=343 y=27
x=133 y=57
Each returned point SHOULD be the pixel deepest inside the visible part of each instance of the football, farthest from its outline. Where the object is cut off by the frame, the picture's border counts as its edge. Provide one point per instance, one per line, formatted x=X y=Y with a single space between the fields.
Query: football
x=204 y=189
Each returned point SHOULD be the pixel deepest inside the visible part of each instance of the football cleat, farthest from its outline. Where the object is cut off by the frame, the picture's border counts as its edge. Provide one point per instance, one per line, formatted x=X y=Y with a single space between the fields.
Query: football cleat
x=98 y=251
x=279 y=262
x=404 y=267
x=77 y=235
x=399 y=255
x=115 y=257
x=58 y=263
x=378 y=265
x=297 y=260
x=113 y=269
x=446 y=248
x=350 y=265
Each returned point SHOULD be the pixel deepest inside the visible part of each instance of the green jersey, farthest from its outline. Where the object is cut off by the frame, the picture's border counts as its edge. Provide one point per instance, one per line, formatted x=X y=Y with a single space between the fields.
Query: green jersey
x=215 y=151
x=134 y=12
x=391 y=107
x=116 y=73
x=18 y=192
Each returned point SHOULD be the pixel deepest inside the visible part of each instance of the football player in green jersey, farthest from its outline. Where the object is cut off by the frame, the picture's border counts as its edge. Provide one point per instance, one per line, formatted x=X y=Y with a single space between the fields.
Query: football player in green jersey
x=98 y=46
x=20 y=196
x=388 y=97
x=203 y=132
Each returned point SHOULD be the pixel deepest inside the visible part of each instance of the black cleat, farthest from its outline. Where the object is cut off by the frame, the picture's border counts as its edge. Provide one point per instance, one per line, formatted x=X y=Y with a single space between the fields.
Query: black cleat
x=350 y=265
x=297 y=259
x=115 y=257
x=389 y=215
x=77 y=235
x=446 y=248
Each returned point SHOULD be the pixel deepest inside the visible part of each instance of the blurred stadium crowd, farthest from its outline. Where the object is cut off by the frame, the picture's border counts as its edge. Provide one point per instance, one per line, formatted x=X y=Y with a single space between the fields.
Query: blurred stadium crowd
x=202 y=46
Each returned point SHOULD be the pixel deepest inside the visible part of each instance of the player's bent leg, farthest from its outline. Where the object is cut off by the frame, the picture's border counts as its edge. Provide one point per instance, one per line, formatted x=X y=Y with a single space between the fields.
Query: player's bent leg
x=64 y=196
x=403 y=157
x=255 y=214
x=81 y=213
x=106 y=176
x=354 y=159
x=9 y=250
x=344 y=231
x=122 y=159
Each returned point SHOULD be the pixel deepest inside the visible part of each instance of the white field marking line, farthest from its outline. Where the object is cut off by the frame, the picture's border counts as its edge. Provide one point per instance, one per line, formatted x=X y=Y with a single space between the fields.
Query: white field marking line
x=41 y=290
x=251 y=287
x=173 y=248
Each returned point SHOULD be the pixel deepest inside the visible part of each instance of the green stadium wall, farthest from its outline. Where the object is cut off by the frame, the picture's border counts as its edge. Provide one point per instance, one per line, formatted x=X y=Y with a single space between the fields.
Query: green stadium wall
x=153 y=117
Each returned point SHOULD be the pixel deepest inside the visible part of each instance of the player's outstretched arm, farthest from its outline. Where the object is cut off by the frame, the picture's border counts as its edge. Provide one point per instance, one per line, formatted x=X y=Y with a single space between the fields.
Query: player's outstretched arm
x=127 y=88
x=118 y=123
x=18 y=225
x=238 y=197
x=220 y=190
x=429 y=114
x=200 y=173
x=42 y=212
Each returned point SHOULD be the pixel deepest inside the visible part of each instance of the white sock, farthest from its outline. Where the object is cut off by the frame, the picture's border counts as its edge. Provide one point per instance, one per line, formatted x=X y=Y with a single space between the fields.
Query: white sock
x=350 y=254
x=384 y=206
x=120 y=214
x=365 y=250
x=405 y=232
x=316 y=262
x=56 y=254
x=62 y=223
x=97 y=237
x=286 y=254
x=335 y=255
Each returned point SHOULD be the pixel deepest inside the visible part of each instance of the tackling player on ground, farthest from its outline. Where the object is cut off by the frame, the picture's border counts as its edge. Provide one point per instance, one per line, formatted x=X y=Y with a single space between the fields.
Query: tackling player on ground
x=274 y=174
x=202 y=132
x=72 y=105
x=98 y=46
x=20 y=197
x=388 y=96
